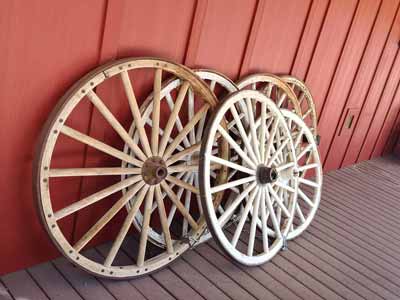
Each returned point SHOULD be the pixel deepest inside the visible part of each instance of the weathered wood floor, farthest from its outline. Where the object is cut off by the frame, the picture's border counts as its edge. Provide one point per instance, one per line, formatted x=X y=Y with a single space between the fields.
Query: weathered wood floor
x=351 y=251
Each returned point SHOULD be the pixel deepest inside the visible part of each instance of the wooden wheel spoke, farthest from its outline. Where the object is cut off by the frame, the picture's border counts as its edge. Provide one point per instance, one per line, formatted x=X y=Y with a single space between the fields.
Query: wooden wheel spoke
x=262 y=129
x=285 y=166
x=235 y=146
x=188 y=195
x=192 y=133
x=88 y=236
x=163 y=219
x=144 y=233
x=304 y=151
x=179 y=194
x=307 y=113
x=170 y=140
x=285 y=187
x=185 y=131
x=71 y=172
x=232 y=184
x=174 y=198
x=66 y=211
x=307 y=167
x=243 y=217
x=188 y=151
x=179 y=125
x=83 y=138
x=106 y=113
x=137 y=118
x=271 y=138
x=125 y=227
x=281 y=99
x=298 y=138
x=300 y=213
x=182 y=184
x=156 y=111
x=173 y=117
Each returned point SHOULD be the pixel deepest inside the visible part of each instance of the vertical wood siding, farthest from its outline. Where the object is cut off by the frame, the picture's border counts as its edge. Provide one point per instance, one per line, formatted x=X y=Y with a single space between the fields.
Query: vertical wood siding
x=345 y=50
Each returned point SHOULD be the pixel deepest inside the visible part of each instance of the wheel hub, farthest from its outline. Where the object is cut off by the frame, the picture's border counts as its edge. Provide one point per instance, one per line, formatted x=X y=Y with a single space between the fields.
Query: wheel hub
x=266 y=174
x=154 y=170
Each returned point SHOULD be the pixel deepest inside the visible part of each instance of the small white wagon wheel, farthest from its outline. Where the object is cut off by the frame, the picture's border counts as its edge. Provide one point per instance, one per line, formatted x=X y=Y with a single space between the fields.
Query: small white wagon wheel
x=274 y=88
x=309 y=113
x=259 y=176
x=309 y=170
x=185 y=167
x=148 y=169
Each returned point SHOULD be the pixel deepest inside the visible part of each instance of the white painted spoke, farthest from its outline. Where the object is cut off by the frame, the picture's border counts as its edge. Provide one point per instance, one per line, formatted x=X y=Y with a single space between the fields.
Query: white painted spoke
x=262 y=129
x=307 y=167
x=137 y=118
x=225 y=217
x=85 y=139
x=231 y=184
x=307 y=113
x=264 y=220
x=278 y=151
x=308 y=182
x=243 y=217
x=272 y=214
x=235 y=146
x=200 y=128
x=285 y=166
x=300 y=213
x=271 y=139
x=284 y=186
x=279 y=201
x=243 y=135
x=304 y=151
x=253 y=133
x=253 y=224
x=305 y=197
x=281 y=99
x=70 y=172
x=298 y=138
x=231 y=165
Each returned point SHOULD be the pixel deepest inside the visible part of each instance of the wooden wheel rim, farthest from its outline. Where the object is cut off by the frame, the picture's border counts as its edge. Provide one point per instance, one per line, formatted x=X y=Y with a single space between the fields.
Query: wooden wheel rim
x=271 y=81
x=305 y=94
x=55 y=125
x=213 y=222
x=214 y=79
x=305 y=147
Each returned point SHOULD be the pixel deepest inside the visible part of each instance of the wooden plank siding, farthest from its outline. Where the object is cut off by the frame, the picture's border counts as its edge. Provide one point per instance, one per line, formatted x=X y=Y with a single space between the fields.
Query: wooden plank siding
x=345 y=254
x=345 y=50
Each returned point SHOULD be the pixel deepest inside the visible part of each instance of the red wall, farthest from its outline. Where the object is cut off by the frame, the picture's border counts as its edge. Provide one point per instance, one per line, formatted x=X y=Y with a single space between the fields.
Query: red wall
x=345 y=50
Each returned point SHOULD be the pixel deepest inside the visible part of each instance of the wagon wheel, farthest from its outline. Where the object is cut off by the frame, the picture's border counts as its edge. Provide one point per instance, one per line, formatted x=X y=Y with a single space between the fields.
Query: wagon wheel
x=309 y=113
x=260 y=175
x=274 y=88
x=309 y=169
x=149 y=178
x=221 y=86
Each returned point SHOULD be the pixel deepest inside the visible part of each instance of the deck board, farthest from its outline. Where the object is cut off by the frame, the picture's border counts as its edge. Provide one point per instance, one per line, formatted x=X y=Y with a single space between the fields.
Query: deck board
x=350 y=251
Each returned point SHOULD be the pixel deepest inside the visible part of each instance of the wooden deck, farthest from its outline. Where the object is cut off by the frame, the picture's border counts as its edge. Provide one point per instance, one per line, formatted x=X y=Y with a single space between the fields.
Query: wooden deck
x=351 y=251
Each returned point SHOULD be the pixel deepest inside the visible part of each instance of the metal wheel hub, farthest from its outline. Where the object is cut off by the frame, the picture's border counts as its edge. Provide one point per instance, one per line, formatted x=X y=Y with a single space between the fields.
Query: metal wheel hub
x=154 y=170
x=266 y=174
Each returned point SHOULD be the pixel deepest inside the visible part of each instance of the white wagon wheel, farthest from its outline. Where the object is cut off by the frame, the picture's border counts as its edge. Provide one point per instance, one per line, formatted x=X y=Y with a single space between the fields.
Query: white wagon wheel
x=148 y=168
x=306 y=102
x=274 y=88
x=309 y=170
x=221 y=86
x=260 y=176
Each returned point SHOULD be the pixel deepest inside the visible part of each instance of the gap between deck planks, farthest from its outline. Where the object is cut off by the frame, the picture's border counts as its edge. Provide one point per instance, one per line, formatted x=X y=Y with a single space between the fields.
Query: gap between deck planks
x=349 y=252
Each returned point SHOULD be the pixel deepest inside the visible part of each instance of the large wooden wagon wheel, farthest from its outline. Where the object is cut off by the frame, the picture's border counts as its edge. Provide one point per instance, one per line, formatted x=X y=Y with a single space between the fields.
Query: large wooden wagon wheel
x=256 y=233
x=149 y=169
x=274 y=88
x=309 y=170
x=184 y=167
x=306 y=102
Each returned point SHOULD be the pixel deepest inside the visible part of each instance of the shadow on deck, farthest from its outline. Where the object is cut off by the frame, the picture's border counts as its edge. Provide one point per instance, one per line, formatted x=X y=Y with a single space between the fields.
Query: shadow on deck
x=350 y=251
